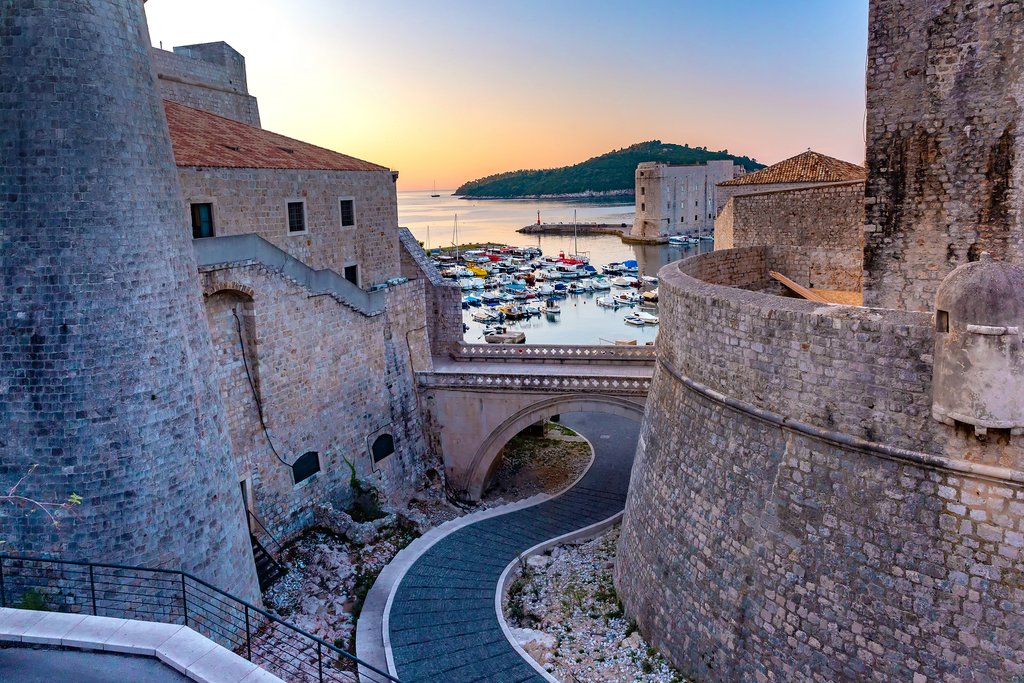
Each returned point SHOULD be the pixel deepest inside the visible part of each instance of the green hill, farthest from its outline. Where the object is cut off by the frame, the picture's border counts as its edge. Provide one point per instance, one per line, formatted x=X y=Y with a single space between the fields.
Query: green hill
x=611 y=173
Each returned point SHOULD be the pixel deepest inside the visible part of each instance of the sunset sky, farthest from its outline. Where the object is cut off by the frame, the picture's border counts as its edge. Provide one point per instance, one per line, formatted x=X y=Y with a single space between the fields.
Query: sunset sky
x=448 y=91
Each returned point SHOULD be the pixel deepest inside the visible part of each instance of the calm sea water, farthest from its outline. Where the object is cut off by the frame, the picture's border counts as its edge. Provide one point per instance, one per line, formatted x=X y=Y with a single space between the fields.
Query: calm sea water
x=582 y=321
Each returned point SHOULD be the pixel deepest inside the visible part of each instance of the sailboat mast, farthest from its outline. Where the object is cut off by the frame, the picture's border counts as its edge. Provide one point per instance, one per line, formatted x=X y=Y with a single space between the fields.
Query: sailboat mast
x=456 y=235
x=575 y=236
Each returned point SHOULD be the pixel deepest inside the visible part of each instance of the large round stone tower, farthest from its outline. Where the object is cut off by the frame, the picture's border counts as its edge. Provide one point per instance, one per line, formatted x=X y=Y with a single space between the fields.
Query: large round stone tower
x=104 y=350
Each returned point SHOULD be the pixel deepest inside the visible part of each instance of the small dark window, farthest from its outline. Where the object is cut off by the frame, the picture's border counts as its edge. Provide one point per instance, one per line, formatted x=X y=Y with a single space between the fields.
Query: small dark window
x=352 y=274
x=643 y=190
x=941 y=321
x=348 y=213
x=695 y=219
x=643 y=207
x=696 y=203
x=383 y=446
x=296 y=217
x=202 y=220
x=306 y=466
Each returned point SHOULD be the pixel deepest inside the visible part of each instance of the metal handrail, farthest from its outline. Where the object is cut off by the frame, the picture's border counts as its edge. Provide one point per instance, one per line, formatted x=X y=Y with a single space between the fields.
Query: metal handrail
x=152 y=605
x=277 y=544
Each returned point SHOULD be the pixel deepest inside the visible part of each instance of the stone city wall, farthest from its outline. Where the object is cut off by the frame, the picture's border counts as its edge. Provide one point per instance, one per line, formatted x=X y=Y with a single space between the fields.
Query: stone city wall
x=329 y=380
x=105 y=386
x=825 y=221
x=195 y=82
x=727 y=192
x=255 y=201
x=442 y=298
x=795 y=514
x=944 y=143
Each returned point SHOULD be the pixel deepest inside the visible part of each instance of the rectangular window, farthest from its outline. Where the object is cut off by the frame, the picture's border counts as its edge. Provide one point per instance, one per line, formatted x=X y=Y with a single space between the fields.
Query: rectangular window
x=643 y=190
x=296 y=217
x=695 y=219
x=202 y=220
x=348 y=213
x=643 y=207
x=352 y=274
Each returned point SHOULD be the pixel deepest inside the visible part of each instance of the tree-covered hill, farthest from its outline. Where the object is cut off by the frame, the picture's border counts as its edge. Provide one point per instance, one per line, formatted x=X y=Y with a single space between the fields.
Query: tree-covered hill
x=611 y=173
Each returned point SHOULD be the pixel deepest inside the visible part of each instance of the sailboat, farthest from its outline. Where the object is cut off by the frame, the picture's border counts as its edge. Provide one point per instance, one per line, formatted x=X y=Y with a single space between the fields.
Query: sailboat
x=435 y=190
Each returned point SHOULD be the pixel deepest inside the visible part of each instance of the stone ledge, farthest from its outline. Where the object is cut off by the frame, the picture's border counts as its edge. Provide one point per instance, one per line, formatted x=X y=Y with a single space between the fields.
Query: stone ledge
x=179 y=647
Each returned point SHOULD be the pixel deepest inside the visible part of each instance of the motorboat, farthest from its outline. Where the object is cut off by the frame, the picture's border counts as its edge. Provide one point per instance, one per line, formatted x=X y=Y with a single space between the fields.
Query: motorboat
x=607 y=302
x=625 y=281
x=551 y=308
x=466 y=284
x=649 y=279
x=626 y=298
x=601 y=284
x=634 y=320
x=472 y=300
x=647 y=318
x=545 y=290
x=650 y=295
x=613 y=268
x=485 y=316
x=631 y=267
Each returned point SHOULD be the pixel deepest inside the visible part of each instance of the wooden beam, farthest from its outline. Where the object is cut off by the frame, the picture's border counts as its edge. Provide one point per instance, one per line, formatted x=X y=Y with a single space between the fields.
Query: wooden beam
x=799 y=290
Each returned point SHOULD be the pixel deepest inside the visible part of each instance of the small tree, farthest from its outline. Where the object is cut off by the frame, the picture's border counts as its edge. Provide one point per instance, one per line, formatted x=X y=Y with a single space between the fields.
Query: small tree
x=53 y=510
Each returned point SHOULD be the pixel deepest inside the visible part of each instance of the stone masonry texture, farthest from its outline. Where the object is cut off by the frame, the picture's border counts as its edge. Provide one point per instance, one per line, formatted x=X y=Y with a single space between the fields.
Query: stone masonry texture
x=210 y=77
x=104 y=350
x=826 y=222
x=944 y=136
x=755 y=551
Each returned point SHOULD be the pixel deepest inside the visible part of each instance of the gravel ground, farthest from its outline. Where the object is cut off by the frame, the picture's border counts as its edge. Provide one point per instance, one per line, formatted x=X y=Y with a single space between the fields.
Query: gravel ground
x=563 y=609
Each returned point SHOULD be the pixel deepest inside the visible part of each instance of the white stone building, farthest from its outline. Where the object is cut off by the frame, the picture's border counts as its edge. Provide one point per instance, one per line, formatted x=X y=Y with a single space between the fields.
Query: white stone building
x=679 y=199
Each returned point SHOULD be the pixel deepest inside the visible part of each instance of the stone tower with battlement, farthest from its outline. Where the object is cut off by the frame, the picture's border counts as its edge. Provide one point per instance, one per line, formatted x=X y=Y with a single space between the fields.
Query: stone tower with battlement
x=106 y=378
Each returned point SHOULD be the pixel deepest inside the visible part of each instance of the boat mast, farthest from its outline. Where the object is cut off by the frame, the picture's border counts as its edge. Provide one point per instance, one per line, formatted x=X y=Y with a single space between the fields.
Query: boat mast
x=456 y=238
x=575 y=236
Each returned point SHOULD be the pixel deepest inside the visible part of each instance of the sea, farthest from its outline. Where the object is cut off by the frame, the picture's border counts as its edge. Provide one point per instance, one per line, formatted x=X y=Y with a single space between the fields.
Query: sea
x=582 y=321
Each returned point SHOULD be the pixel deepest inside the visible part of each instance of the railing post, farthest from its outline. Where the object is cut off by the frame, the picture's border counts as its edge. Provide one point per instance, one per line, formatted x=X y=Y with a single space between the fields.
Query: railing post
x=184 y=599
x=92 y=589
x=248 y=639
x=320 y=660
x=3 y=592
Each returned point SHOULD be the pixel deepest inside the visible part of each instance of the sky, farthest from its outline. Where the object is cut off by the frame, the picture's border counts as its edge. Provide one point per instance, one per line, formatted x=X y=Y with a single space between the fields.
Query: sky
x=451 y=90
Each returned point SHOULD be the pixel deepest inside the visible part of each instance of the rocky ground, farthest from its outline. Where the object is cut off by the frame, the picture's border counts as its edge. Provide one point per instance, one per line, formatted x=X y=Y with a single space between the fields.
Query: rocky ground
x=332 y=567
x=563 y=609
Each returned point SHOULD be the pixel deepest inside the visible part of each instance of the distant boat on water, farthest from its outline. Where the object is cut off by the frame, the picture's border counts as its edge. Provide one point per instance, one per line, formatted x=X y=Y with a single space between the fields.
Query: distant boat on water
x=435 y=190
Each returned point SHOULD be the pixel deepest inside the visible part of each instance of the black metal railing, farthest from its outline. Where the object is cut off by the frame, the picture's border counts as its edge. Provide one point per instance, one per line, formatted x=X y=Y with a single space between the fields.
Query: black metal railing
x=273 y=542
x=175 y=597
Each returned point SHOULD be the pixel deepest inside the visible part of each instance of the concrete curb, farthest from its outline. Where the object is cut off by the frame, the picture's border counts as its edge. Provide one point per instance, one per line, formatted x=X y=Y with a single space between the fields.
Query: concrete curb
x=179 y=647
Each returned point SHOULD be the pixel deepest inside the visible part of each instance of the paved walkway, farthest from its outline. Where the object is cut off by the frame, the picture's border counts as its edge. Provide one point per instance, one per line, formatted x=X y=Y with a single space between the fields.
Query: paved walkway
x=443 y=366
x=26 y=665
x=443 y=624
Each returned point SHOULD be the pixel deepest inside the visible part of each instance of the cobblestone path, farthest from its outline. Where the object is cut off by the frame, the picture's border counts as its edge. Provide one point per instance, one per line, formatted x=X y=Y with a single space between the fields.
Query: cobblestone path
x=443 y=624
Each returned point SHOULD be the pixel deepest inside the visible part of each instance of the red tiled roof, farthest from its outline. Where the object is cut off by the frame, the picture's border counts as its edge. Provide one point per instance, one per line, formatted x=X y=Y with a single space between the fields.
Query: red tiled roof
x=809 y=167
x=204 y=139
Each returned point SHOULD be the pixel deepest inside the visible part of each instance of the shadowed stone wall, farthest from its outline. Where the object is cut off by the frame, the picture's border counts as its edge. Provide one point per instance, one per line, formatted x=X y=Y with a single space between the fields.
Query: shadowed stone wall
x=826 y=222
x=944 y=143
x=105 y=377
x=795 y=514
x=210 y=77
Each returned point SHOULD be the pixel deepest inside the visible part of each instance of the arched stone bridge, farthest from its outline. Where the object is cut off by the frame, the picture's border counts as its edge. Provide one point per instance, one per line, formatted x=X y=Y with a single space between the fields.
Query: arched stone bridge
x=484 y=394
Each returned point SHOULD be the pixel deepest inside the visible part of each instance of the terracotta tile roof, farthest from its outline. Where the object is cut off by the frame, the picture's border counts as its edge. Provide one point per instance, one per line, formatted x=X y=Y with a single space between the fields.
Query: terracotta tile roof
x=204 y=139
x=809 y=167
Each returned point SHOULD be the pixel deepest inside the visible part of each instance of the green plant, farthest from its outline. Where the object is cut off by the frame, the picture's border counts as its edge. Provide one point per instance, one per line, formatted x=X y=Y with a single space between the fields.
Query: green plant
x=33 y=599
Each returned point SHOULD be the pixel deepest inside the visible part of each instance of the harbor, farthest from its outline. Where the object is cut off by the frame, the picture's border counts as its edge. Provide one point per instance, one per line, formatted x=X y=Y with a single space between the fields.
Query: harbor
x=584 y=315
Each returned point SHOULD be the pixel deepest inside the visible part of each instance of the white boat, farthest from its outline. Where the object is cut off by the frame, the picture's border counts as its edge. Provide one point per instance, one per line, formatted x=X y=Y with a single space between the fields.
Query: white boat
x=625 y=281
x=649 y=279
x=678 y=240
x=651 y=295
x=478 y=283
x=532 y=309
x=552 y=275
x=585 y=285
x=607 y=302
x=626 y=298
x=633 y=320
x=601 y=284
x=466 y=284
x=647 y=318
x=551 y=308
x=484 y=316
x=545 y=290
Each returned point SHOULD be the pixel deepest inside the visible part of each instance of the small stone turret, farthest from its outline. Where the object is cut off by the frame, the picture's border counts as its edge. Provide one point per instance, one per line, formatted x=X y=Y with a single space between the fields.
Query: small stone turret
x=978 y=376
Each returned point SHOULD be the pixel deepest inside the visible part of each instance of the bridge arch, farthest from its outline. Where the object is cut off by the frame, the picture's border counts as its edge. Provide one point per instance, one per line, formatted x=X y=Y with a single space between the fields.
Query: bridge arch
x=486 y=456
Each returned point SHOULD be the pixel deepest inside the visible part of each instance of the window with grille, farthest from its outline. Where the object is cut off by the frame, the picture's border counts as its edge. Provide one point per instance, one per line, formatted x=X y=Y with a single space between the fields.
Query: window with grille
x=296 y=217
x=383 y=446
x=348 y=213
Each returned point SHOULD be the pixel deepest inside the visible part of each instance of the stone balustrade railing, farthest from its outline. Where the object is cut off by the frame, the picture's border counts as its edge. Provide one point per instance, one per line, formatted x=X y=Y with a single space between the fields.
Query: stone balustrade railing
x=554 y=353
x=633 y=386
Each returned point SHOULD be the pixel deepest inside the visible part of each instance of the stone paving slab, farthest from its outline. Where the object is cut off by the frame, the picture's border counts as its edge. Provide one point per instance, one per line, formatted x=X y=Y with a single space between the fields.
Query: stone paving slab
x=442 y=622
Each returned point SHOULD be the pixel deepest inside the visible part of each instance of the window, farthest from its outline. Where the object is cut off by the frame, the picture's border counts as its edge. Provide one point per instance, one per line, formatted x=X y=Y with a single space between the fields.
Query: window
x=202 y=220
x=352 y=274
x=696 y=218
x=383 y=446
x=668 y=205
x=306 y=466
x=941 y=321
x=296 y=217
x=348 y=213
x=643 y=207
x=643 y=190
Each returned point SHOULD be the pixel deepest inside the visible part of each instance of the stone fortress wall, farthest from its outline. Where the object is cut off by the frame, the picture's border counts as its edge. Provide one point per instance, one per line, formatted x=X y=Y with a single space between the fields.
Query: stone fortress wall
x=210 y=77
x=823 y=526
x=104 y=384
x=727 y=192
x=678 y=199
x=255 y=200
x=824 y=221
x=797 y=510
x=944 y=144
